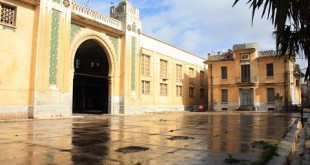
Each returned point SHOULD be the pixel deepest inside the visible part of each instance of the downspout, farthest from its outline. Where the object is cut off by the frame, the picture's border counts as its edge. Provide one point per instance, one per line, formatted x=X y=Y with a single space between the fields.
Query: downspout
x=286 y=84
x=211 y=88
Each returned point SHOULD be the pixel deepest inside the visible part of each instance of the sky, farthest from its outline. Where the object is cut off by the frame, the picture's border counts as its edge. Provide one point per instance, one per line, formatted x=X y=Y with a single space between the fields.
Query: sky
x=199 y=26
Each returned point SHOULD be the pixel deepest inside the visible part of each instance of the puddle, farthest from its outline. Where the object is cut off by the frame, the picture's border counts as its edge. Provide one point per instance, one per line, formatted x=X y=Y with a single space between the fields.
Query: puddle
x=131 y=149
x=180 y=138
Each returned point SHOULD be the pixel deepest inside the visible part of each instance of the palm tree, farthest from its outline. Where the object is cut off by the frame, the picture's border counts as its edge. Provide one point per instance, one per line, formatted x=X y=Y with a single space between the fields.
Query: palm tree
x=291 y=19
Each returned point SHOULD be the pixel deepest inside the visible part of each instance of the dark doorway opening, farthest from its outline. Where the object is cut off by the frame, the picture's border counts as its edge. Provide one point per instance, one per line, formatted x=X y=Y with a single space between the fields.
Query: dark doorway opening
x=90 y=82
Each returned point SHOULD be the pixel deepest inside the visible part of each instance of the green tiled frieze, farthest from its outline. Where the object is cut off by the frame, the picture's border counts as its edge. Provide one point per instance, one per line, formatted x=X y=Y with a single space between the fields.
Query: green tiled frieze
x=54 y=47
x=114 y=41
x=74 y=30
x=133 y=63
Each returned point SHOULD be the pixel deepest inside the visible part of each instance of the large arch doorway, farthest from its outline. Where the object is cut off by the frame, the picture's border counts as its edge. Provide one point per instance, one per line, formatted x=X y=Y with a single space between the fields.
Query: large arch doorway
x=90 y=82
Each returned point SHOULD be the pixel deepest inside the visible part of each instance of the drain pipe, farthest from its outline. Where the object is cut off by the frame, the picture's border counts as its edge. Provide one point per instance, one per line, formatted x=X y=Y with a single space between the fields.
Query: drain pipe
x=211 y=87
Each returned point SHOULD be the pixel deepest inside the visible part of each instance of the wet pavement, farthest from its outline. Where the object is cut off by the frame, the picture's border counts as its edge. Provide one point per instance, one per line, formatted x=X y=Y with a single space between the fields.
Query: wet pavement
x=155 y=138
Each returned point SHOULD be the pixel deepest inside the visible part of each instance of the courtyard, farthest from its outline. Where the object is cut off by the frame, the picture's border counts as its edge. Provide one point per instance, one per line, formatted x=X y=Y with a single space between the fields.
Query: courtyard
x=153 y=138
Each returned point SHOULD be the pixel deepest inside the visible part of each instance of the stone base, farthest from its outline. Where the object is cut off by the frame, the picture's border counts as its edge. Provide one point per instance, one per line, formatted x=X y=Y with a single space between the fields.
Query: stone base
x=52 y=111
x=131 y=109
x=14 y=112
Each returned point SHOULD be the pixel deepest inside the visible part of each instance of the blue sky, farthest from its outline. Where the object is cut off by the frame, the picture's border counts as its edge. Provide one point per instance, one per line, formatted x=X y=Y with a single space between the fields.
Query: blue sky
x=198 y=26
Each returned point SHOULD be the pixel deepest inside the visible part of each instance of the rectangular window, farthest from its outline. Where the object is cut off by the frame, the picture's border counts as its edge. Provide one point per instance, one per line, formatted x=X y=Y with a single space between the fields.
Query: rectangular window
x=224 y=72
x=7 y=15
x=224 y=95
x=179 y=91
x=179 y=76
x=145 y=65
x=145 y=88
x=191 y=76
x=163 y=69
x=297 y=83
x=202 y=78
x=163 y=89
x=270 y=95
x=269 y=69
x=245 y=73
x=191 y=92
x=202 y=93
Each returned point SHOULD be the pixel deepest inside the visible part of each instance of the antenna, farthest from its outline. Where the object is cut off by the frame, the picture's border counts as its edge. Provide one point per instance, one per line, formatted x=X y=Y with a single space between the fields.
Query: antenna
x=86 y=3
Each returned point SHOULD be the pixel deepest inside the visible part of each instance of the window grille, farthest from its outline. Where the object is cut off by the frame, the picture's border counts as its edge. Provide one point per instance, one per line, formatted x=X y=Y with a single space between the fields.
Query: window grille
x=179 y=72
x=202 y=78
x=191 y=92
x=163 y=69
x=191 y=76
x=145 y=65
x=8 y=14
x=145 y=87
x=163 y=89
x=178 y=90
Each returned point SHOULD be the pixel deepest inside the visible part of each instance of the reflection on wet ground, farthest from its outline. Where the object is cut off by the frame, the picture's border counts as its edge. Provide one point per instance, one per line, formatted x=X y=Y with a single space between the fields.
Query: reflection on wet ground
x=165 y=138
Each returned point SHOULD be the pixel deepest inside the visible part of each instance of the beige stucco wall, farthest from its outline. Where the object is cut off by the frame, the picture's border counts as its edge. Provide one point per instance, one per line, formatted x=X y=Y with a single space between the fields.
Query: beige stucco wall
x=16 y=56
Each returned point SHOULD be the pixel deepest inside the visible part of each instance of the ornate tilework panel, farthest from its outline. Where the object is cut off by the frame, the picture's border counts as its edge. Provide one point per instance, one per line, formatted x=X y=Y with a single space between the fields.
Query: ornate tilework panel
x=74 y=30
x=54 y=47
x=133 y=63
x=134 y=27
x=114 y=41
x=57 y=1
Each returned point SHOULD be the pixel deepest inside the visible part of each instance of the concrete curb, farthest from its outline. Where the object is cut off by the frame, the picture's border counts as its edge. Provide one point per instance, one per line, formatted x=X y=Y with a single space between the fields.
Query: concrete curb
x=287 y=145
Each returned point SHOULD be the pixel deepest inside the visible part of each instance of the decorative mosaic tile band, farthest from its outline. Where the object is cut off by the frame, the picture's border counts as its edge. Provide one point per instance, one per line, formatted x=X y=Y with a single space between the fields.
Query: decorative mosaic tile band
x=114 y=41
x=133 y=63
x=54 y=47
x=74 y=30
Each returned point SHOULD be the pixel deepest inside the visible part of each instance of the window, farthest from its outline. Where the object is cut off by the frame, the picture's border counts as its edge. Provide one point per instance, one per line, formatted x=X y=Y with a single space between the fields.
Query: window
x=163 y=89
x=270 y=95
x=145 y=65
x=297 y=83
x=202 y=78
x=191 y=92
x=224 y=72
x=179 y=91
x=8 y=14
x=224 y=95
x=269 y=69
x=145 y=88
x=163 y=69
x=202 y=93
x=191 y=76
x=179 y=72
x=245 y=73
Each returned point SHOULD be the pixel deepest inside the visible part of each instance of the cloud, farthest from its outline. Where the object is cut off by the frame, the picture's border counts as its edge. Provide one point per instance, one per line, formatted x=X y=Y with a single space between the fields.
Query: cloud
x=212 y=25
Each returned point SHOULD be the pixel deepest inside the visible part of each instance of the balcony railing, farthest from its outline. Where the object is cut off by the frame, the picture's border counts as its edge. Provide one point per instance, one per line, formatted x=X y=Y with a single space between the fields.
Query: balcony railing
x=246 y=80
x=95 y=16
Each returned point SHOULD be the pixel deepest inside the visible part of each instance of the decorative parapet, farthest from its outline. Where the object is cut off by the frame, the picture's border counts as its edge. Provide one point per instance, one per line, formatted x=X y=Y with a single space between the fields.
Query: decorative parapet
x=133 y=10
x=221 y=56
x=95 y=16
x=245 y=46
x=267 y=53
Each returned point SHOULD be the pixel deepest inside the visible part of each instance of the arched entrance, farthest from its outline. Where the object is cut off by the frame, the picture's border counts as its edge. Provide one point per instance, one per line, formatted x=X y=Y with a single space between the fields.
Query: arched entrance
x=91 y=79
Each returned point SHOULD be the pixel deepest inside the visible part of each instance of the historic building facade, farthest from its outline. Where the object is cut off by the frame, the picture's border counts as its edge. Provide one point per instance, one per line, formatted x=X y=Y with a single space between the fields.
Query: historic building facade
x=245 y=78
x=58 y=58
